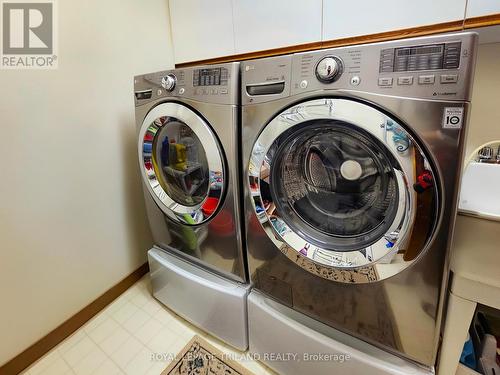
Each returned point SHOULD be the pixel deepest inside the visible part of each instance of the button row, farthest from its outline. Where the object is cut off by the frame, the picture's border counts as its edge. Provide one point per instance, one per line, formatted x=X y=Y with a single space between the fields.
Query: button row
x=422 y=80
x=452 y=55
x=387 y=60
x=210 y=91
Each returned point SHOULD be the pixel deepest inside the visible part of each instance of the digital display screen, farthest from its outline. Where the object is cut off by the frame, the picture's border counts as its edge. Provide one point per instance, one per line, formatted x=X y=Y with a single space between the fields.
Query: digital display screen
x=416 y=58
x=208 y=77
x=423 y=50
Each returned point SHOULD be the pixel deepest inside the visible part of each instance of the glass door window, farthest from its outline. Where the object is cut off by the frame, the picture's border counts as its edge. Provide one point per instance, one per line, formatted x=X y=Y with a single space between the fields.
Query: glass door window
x=182 y=163
x=337 y=185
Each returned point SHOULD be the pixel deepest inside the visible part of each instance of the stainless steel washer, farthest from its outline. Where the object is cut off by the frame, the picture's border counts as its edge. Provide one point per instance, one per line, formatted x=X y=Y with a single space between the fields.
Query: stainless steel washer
x=188 y=149
x=352 y=157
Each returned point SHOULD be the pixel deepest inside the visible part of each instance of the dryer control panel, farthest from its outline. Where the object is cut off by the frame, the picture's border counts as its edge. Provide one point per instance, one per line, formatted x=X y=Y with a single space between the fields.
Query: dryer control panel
x=216 y=84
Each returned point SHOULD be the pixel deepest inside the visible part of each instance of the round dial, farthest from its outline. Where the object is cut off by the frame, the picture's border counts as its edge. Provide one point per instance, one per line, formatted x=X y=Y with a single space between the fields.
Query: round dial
x=329 y=69
x=168 y=82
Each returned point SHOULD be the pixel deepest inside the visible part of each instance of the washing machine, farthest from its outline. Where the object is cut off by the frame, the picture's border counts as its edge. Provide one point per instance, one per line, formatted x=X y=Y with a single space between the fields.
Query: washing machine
x=351 y=158
x=188 y=132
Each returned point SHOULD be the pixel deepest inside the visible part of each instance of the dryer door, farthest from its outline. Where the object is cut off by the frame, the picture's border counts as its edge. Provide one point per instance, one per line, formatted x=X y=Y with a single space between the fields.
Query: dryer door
x=343 y=190
x=182 y=163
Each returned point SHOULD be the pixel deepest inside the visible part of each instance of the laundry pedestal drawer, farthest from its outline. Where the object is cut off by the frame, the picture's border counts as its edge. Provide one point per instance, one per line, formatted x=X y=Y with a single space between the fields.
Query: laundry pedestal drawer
x=214 y=304
x=296 y=345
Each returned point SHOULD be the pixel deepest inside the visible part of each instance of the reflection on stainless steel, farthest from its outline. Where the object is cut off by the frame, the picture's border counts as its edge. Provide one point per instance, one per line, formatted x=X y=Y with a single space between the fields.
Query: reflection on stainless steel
x=190 y=180
x=183 y=163
x=315 y=205
x=390 y=293
x=400 y=137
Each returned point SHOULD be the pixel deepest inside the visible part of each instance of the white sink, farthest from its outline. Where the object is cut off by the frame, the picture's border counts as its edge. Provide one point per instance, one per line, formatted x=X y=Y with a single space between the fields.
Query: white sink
x=480 y=190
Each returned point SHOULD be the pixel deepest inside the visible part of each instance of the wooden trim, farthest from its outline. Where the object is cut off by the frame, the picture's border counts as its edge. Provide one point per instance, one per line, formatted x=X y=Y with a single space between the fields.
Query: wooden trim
x=396 y=34
x=446 y=27
x=49 y=341
x=254 y=55
x=483 y=21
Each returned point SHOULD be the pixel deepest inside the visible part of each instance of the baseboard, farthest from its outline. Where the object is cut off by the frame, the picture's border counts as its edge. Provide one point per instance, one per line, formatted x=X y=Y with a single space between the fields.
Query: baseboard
x=46 y=343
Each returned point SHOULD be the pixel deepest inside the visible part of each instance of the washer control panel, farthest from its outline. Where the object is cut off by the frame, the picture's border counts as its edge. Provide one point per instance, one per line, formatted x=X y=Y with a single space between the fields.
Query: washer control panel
x=432 y=67
x=217 y=84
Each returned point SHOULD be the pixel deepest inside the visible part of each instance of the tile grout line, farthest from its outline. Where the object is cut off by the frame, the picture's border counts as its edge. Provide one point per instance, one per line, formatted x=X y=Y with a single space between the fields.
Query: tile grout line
x=132 y=334
x=127 y=299
x=123 y=343
x=67 y=364
x=106 y=354
x=179 y=329
x=82 y=328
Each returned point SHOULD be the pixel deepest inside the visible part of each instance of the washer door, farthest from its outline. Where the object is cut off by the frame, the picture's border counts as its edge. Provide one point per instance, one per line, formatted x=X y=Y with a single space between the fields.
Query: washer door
x=182 y=163
x=343 y=190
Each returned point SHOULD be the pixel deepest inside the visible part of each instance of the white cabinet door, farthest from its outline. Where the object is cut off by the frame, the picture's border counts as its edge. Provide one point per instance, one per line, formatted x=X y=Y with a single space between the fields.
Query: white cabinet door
x=267 y=24
x=342 y=19
x=201 y=29
x=478 y=8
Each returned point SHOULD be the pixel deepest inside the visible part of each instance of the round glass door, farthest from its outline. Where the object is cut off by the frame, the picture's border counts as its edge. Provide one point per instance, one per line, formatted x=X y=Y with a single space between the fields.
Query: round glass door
x=182 y=163
x=338 y=185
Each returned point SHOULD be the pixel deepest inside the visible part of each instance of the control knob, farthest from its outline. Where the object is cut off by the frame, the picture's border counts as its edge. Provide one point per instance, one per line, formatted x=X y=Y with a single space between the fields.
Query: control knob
x=329 y=69
x=168 y=82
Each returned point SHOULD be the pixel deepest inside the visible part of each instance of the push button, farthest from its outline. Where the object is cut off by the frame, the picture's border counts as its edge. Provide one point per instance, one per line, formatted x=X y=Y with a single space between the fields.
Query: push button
x=223 y=91
x=449 y=78
x=385 y=81
x=405 y=81
x=355 y=80
x=426 y=80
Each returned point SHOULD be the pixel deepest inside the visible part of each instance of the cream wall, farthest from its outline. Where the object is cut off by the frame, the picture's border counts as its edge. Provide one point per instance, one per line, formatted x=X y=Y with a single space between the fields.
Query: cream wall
x=72 y=221
x=484 y=124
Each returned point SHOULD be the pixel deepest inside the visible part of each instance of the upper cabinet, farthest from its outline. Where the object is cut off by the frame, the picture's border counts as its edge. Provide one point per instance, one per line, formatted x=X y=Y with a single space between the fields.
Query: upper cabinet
x=343 y=19
x=201 y=29
x=207 y=29
x=264 y=24
x=478 y=8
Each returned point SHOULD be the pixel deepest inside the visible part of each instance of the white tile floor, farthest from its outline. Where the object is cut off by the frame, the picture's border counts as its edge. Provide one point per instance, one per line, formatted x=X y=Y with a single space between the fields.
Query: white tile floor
x=123 y=337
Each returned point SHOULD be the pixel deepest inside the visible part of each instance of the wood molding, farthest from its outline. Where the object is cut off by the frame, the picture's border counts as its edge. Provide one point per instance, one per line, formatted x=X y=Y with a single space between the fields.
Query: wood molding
x=254 y=55
x=49 y=341
x=396 y=34
x=446 y=27
x=483 y=21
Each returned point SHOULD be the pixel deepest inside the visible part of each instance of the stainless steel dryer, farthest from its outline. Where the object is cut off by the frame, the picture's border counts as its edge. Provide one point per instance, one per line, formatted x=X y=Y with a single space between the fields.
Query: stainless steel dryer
x=352 y=157
x=188 y=134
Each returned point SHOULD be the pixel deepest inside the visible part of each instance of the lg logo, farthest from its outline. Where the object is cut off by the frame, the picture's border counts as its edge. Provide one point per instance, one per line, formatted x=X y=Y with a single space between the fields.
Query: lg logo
x=28 y=35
